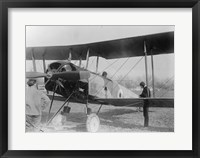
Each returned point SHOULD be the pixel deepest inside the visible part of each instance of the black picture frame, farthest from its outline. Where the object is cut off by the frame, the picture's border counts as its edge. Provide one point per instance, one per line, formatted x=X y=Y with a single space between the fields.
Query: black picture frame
x=6 y=4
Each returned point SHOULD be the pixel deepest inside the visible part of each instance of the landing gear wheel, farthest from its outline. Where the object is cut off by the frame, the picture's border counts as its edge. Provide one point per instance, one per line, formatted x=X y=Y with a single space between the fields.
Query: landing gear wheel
x=92 y=123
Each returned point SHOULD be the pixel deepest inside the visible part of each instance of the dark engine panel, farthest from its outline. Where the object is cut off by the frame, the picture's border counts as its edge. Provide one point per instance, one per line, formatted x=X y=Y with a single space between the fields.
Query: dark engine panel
x=66 y=87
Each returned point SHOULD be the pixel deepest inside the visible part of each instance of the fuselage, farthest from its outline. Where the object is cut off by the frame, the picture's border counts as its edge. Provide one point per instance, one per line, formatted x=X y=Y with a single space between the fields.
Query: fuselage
x=97 y=86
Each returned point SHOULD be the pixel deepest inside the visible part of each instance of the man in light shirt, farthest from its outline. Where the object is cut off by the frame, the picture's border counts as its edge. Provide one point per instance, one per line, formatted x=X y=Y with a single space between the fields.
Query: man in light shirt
x=36 y=102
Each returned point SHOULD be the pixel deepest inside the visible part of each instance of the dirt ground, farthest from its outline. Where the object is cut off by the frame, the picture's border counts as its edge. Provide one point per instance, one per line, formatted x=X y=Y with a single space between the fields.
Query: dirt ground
x=112 y=119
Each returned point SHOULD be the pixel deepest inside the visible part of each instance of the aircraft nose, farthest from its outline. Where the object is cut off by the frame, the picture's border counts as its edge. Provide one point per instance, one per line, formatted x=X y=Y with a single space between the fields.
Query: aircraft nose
x=84 y=74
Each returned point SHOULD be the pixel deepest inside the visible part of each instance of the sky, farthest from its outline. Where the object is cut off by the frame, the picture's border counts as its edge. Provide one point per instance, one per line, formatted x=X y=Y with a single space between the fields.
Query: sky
x=71 y=35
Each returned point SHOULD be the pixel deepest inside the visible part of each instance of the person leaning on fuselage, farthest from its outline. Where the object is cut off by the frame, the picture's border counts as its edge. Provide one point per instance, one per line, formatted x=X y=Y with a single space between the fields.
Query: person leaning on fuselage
x=36 y=102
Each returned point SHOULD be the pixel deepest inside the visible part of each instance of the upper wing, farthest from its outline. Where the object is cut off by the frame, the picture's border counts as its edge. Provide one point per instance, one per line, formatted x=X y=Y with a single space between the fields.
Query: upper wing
x=138 y=102
x=161 y=43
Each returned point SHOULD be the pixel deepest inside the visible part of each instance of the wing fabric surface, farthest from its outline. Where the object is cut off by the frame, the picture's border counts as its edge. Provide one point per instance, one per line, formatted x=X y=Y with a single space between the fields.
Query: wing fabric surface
x=138 y=102
x=161 y=43
x=125 y=102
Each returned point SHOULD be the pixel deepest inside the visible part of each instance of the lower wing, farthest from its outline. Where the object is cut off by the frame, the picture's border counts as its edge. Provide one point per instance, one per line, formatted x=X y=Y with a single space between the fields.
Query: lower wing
x=138 y=102
x=128 y=102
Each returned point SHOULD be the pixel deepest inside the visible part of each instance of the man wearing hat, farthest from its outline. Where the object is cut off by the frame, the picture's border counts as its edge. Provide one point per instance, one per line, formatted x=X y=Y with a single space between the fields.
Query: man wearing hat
x=36 y=102
x=145 y=94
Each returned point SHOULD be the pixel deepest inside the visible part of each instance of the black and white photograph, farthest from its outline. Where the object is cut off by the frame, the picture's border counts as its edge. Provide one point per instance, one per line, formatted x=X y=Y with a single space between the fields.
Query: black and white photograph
x=99 y=78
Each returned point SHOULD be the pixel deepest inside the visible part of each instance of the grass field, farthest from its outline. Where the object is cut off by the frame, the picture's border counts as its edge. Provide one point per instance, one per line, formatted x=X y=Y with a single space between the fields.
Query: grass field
x=112 y=119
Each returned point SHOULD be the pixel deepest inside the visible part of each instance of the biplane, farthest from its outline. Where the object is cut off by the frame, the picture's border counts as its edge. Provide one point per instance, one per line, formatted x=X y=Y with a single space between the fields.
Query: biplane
x=71 y=83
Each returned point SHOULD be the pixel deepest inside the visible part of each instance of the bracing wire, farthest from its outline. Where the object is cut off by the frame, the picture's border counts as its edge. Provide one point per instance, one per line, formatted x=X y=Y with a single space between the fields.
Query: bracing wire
x=110 y=64
x=163 y=94
x=166 y=83
x=113 y=75
x=119 y=68
x=104 y=69
x=131 y=69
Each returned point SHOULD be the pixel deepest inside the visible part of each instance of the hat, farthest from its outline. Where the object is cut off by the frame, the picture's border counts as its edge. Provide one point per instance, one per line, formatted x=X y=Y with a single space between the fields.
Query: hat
x=142 y=84
x=104 y=74
x=31 y=82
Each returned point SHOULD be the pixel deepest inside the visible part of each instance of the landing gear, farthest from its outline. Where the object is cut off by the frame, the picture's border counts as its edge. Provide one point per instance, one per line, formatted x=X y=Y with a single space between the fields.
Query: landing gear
x=92 y=123
x=66 y=101
x=88 y=111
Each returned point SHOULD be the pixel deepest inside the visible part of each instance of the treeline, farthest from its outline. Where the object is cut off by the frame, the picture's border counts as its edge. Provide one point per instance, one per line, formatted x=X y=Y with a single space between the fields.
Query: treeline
x=130 y=83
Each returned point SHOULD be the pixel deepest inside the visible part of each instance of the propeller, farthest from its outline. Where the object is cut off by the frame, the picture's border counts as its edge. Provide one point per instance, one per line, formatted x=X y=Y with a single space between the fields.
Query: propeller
x=35 y=74
x=69 y=75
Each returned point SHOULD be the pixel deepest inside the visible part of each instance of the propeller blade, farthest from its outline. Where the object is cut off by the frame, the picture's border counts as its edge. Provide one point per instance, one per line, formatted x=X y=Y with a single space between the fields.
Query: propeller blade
x=71 y=75
x=35 y=75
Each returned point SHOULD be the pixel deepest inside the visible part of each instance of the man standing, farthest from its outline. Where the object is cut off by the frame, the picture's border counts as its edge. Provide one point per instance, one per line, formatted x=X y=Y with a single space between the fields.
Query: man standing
x=36 y=102
x=145 y=94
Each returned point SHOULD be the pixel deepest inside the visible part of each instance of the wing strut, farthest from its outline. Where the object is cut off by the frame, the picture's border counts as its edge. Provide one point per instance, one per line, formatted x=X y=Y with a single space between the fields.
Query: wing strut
x=152 y=66
x=44 y=64
x=146 y=66
x=145 y=106
x=70 y=56
x=80 y=62
x=55 y=88
x=33 y=60
x=87 y=58
x=97 y=64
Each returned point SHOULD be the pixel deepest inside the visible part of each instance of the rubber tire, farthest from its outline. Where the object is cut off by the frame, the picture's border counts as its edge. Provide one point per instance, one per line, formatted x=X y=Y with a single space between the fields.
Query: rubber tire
x=92 y=123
